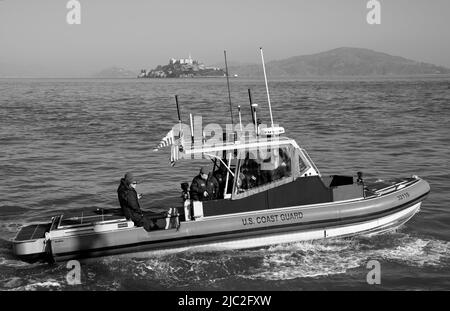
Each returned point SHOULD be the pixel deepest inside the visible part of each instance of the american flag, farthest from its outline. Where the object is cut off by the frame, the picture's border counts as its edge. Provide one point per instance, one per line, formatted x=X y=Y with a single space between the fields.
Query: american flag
x=176 y=146
x=168 y=140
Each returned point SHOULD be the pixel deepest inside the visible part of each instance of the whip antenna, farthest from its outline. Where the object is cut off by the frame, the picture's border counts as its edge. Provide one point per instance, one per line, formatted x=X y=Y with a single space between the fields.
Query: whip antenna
x=240 y=118
x=267 y=86
x=228 y=84
x=192 y=128
x=178 y=111
x=253 y=111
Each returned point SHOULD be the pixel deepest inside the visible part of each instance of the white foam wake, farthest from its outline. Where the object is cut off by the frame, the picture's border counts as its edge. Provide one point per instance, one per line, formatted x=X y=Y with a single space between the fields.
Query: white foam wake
x=323 y=258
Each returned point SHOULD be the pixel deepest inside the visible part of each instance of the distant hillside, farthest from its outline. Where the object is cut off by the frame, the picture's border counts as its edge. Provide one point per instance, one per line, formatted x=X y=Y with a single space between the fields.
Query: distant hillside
x=343 y=61
x=19 y=70
x=115 y=72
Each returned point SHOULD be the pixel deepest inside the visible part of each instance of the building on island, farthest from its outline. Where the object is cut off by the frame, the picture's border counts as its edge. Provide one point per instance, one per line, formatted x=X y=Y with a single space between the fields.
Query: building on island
x=182 y=61
x=142 y=74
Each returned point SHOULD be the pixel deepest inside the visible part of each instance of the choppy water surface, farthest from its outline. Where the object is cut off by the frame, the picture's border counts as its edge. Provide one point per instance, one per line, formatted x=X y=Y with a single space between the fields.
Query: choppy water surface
x=64 y=144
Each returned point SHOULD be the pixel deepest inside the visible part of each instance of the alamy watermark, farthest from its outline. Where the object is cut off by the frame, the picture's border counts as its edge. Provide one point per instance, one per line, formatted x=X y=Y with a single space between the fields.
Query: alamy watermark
x=374 y=275
x=213 y=138
x=73 y=277
x=73 y=17
x=373 y=17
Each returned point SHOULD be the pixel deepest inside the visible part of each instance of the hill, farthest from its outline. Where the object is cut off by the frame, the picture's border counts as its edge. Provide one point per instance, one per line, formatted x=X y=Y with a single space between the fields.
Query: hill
x=115 y=72
x=344 y=61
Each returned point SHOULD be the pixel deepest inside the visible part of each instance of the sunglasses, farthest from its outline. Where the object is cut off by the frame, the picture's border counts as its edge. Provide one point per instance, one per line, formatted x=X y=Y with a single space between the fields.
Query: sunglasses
x=134 y=183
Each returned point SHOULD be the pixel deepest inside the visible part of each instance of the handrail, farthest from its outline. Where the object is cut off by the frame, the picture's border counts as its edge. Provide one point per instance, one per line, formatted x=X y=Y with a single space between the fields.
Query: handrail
x=213 y=156
x=311 y=161
x=382 y=190
x=241 y=145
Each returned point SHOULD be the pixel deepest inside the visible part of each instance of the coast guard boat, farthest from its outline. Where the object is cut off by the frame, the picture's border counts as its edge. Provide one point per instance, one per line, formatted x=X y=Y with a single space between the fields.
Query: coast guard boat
x=271 y=192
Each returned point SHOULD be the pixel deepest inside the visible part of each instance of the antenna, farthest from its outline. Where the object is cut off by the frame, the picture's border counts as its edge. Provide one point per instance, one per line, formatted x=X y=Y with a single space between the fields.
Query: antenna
x=240 y=118
x=178 y=111
x=192 y=128
x=253 y=111
x=228 y=84
x=267 y=86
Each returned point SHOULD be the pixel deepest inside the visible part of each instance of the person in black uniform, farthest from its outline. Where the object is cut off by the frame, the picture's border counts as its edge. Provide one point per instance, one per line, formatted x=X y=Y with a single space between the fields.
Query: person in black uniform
x=204 y=186
x=129 y=203
x=221 y=176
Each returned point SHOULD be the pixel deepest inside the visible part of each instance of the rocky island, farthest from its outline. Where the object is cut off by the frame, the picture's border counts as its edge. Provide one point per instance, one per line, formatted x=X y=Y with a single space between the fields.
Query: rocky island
x=182 y=68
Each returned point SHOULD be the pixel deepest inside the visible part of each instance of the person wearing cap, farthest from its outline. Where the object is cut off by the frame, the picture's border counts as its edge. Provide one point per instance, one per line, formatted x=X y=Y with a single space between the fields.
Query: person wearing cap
x=204 y=186
x=129 y=202
x=221 y=175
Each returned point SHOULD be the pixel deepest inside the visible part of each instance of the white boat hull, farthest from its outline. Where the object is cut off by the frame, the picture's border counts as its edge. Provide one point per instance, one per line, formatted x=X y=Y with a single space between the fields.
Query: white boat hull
x=377 y=226
x=380 y=213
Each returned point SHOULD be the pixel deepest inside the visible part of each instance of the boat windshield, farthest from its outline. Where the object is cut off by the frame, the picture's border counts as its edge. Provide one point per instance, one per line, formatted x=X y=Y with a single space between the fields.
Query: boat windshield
x=258 y=167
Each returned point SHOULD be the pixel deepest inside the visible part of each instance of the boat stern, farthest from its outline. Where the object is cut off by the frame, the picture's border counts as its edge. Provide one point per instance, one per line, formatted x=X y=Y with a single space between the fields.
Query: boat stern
x=30 y=242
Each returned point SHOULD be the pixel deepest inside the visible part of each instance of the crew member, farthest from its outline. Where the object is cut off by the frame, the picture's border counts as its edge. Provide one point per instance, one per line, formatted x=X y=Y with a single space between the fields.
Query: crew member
x=129 y=203
x=221 y=176
x=204 y=186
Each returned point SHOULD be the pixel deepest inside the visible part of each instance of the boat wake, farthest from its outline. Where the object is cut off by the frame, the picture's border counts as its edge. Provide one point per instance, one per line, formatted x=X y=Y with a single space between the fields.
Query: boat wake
x=50 y=284
x=337 y=256
x=308 y=259
x=205 y=270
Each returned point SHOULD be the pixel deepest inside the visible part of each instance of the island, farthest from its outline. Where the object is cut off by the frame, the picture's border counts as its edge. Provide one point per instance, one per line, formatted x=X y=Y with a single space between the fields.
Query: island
x=182 y=68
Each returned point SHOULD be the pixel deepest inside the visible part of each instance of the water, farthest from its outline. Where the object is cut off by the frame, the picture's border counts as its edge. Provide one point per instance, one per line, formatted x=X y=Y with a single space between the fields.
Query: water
x=65 y=143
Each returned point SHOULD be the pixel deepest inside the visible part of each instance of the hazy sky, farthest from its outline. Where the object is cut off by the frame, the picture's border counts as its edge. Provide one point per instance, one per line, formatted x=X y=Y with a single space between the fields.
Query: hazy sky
x=138 y=34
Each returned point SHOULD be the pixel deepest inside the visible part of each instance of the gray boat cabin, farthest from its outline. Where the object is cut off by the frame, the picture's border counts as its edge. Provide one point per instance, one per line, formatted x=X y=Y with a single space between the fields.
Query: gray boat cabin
x=265 y=172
